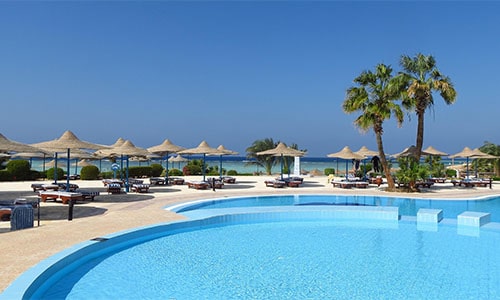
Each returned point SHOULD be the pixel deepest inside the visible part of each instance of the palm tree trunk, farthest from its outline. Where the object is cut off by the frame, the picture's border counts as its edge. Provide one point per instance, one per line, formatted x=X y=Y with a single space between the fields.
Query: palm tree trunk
x=420 y=134
x=383 y=160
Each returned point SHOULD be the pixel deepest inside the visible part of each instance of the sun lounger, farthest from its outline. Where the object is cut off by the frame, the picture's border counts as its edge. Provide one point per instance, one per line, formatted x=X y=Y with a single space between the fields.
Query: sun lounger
x=157 y=181
x=140 y=188
x=106 y=182
x=424 y=184
x=437 y=179
x=132 y=181
x=175 y=180
x=114 y=188
x=228 y=179
x=5 y=213
x=215 y=183
x=65 y=197
x=275 y=183
x=72 y=187
x=343 y=184
x=199 y=185
x=87 y=195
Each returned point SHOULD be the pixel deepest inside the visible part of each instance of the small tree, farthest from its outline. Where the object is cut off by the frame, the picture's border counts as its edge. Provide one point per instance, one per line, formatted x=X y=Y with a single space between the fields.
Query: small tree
x=50 y=173
x=19 y=169
x=156 y=170
x=89 y=173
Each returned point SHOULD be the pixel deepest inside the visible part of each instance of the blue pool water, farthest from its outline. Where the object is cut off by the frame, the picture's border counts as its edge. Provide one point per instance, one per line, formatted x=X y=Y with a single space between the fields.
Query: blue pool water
x=296 y=251
x=295 y=260
x=407 y=206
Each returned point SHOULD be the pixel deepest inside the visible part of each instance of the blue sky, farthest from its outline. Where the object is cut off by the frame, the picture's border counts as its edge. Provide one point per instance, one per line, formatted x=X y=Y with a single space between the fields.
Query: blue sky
x=235 y=72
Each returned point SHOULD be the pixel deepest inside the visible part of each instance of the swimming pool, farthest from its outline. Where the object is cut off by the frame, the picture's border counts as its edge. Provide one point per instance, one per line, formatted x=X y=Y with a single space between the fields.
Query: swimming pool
x=407 y=206
x=274 y=253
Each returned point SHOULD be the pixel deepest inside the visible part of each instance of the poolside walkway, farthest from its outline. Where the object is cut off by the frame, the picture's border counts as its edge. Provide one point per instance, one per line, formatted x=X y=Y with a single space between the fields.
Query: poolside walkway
x=108 y=214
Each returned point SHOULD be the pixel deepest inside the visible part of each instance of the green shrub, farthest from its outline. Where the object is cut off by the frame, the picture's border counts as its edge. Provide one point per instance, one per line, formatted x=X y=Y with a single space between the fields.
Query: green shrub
x=173 y=172
x=19 y=169
x=109 y=175
x=232 y=173
x=139 y=172
x=89 y=173
x=191 y=169
x=5 y=175
x=156 y=170
x=451 y=173
x=50 y=173
x=329 y=171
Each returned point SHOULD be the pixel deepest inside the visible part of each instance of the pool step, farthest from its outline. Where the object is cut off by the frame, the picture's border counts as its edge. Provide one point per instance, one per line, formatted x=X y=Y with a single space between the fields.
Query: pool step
x=428 y=219
x=472 y=218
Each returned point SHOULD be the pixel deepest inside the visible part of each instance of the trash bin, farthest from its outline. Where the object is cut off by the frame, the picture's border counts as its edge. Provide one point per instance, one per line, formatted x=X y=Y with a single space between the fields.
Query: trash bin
x=21 y=217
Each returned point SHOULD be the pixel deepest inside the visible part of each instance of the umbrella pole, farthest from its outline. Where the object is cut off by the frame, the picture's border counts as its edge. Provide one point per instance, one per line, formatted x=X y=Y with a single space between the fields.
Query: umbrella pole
x=126 y=183
x=346 y=173
x=220 y=167
x=203 y=167
x=43 y=169
x=55 y=167
x=467 y=159
x=281 y=166
x=68 y=171
x=121 y=167
x=166 y=169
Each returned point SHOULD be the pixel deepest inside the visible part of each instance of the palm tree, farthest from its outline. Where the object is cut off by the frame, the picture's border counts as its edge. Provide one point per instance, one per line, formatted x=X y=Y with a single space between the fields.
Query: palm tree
x=421 y=78
x=265 y=161
x=374 y=98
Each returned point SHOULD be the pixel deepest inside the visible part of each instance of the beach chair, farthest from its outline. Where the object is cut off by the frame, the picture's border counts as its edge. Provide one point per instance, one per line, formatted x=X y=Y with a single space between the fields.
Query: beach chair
x=114 y=188
x=140 y=188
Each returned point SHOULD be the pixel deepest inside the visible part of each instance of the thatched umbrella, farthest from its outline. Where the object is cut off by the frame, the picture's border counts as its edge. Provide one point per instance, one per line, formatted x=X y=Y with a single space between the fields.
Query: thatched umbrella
x=223 y=151
x=164 y=149
x=432 y=151
x=67 y=142
x=468 y=153
x=203 y=148
x=410 y=151
x=282 y=150
x=8 y=146
x=127 y=149
x=346 y=153
x=365 y=152
x=177 y=158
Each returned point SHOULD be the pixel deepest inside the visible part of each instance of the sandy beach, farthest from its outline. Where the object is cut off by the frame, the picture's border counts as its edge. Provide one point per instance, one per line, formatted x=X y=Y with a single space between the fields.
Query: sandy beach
x=108 y=214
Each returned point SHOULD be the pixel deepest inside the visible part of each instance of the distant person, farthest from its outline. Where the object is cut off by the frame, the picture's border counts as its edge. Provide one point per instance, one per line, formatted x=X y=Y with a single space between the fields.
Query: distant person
x=376 y=164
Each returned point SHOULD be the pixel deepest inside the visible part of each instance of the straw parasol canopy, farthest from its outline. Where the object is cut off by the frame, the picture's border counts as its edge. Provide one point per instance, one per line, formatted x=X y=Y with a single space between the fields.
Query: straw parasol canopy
x=364 y=151
x=410 y=151
x=127 y=148
x=432 y=151
x=469 y=153
x=346 y=153
x=223 y=151
x=165 y=148
x=177 y=158
x=118 y=143
x=7 y=145
x=203 y=148
x=68 y=140
x=282 y=150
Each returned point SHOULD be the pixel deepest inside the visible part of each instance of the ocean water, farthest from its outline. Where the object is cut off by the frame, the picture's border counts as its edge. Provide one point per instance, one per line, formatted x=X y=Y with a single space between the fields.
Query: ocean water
x=237 y=163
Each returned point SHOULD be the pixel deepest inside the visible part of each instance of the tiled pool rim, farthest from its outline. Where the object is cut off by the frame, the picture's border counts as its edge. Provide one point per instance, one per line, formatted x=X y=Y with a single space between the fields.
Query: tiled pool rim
x=34 y=281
